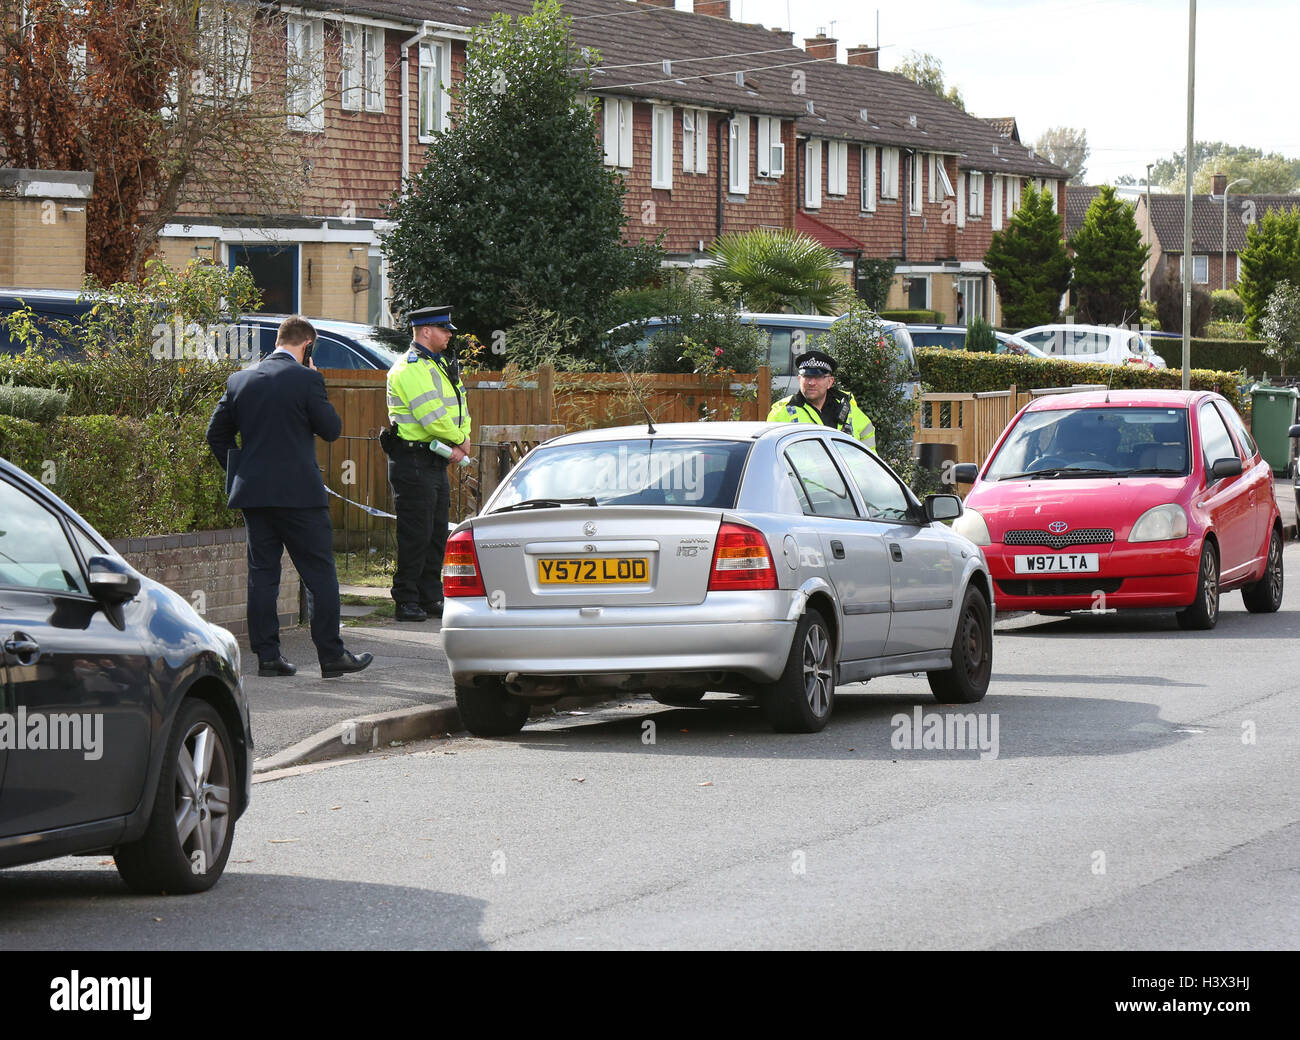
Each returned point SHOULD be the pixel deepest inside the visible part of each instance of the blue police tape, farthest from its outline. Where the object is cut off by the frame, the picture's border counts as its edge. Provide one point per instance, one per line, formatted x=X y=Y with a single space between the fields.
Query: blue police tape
x=369 y=509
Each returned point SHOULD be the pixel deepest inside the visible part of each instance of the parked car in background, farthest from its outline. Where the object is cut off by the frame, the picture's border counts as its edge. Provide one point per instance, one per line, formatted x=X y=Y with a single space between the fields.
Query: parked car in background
x=142 y=697
x=953 y=337
x=339 y=344
x=787 y=336
x=759 y=558
x=1104 y=344
x=1117 y=499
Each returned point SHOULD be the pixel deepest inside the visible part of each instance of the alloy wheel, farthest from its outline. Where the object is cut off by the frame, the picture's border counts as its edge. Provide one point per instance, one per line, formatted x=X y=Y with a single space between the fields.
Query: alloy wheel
x=817 y=675
x=202 y=796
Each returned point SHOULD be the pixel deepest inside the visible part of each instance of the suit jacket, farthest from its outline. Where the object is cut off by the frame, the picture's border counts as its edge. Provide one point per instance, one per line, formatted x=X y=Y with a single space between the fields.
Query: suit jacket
x=278 y=408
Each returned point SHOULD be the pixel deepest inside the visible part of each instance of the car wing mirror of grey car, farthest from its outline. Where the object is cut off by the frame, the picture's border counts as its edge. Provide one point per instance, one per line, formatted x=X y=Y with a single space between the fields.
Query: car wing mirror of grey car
x=1294 y=431
x=942 y=507
x=111 y=581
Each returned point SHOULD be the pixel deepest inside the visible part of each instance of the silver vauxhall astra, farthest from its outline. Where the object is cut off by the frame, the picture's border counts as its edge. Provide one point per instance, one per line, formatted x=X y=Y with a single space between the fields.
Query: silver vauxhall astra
x=775 y=560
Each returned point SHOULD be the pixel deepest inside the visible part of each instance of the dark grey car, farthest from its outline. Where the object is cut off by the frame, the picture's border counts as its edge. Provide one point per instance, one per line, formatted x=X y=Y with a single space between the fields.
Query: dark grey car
x=124 y=725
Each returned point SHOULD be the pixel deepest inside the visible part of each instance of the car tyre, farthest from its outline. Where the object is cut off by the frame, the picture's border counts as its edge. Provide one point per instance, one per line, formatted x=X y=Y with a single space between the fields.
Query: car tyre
x=802 y=699
x=967 y=680
x=1265 y=596
x=1203 y=614
x=192 y=824
x=488 y=710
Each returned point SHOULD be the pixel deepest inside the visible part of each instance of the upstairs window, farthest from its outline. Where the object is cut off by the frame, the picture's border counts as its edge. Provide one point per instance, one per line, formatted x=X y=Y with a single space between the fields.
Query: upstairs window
x=435 y=73
x=695 y=140
x=771 y=151
x=975 y=197
x=306 y=74
x=868 y=178
x=661 y=147
x=889 y=173
x=837 y=167
x=738 y=156
x=617 y=121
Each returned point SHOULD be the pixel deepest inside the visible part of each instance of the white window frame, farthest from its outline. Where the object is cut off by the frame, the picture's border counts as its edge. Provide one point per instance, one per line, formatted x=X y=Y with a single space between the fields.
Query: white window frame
x=307 y=105
x=770 y=156
x=868 y=185
x=961 y=200
x=997 y=202
x=1197 y=260
x=945 y=183
x=374 y=68
x=433 y=98
x=738 y=155
x=226 y=52
x=616 y=121
x=934 y=178
x=916 y=188
x=889 y=173
x=695 y=141
x=1013 y=195
x=662 y=131
x=812 y=173
x=837 y=168
x=352 y=58
x=975 y=195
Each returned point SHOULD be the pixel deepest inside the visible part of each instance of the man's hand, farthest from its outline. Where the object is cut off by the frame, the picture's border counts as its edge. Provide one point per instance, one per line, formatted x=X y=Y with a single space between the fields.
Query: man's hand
x=311 y=363
x=458 y=453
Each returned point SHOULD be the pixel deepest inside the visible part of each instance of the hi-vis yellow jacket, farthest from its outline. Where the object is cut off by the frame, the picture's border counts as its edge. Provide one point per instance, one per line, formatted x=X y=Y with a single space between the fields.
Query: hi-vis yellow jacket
x=849 y=417
x=425 y=402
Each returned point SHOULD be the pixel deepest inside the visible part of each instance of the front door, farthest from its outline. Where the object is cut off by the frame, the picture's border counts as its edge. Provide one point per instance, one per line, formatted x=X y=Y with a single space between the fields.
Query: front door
x=972 y=294
x=275 y=272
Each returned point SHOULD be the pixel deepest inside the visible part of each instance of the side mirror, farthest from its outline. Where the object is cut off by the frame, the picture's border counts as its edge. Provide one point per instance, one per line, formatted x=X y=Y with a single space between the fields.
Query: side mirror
x=1294 y=431
x=965 y=472
x=112 y=581
x=942 y=507
x=1226 y=468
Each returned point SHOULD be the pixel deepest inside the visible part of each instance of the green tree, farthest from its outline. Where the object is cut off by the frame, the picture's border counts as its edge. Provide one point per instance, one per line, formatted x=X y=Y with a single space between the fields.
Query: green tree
x=1028 y=262
x=777 y=269
x=514 y=210
x=1272 y=255
x=874 y=279
x=1269 y=174
x=873 y=370
x=927 y=70
x=1108 y=261
x=1281 y=325
x=980 y=338
x=1067 y=148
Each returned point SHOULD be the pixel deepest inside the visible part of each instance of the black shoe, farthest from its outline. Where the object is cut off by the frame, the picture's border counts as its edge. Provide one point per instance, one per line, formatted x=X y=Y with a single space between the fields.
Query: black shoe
x=347 y=663
x=432 y=609
x=410 y=612
x=277 y=667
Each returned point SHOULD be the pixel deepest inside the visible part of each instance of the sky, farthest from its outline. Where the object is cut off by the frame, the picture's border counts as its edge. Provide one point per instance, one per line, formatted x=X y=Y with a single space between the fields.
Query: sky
x=1115 y=68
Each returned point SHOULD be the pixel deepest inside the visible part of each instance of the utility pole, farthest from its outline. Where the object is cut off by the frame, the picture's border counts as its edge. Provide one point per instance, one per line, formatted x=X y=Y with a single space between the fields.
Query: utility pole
x=1190 y=168
x=1147 y=263
x=1223 y=258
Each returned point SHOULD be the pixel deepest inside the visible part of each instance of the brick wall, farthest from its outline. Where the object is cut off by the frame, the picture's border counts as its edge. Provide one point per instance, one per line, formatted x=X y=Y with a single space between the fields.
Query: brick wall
x=210 y=569
x=327 y=281
x=42 y=243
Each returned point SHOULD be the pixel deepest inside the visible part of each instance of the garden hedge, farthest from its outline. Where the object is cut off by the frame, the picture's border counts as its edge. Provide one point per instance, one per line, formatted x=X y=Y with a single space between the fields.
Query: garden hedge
x=1221 y=355
x=915 y=317
x=128 y=478
x=960 y=372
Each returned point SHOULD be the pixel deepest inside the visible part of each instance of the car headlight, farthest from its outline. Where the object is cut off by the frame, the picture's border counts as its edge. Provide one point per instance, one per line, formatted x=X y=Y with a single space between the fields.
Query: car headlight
x=971 y=525
x=1160 y=524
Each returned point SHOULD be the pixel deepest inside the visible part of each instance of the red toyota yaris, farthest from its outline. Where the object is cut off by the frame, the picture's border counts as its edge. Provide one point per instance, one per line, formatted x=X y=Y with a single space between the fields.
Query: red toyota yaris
x=1122 y=499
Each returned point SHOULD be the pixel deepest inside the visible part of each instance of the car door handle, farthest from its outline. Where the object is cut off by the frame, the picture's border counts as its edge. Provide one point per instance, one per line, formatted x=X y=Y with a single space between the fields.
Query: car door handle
x=837 y=550
x=23 y=648
x=896 y=551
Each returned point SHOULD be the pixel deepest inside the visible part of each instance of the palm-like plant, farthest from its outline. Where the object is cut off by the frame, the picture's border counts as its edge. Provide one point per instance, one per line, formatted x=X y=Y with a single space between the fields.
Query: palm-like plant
x=777 y=269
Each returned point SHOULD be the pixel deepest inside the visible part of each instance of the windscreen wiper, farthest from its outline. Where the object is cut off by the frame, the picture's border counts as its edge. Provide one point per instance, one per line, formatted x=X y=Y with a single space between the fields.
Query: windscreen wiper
x=546 y=503
x=1157 y=470
x=1061 y=471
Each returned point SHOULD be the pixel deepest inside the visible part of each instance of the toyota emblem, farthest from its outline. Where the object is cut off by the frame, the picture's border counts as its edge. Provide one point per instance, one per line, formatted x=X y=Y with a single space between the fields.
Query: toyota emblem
x=1058 y=527
x=588 y=528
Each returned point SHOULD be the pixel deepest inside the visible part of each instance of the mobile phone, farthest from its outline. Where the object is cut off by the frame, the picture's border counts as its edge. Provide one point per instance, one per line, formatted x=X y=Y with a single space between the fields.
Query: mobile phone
x=306 y=354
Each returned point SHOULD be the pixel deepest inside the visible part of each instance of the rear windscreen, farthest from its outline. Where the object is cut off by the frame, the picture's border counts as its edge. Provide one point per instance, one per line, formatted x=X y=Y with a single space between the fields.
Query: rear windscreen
x=644 y=472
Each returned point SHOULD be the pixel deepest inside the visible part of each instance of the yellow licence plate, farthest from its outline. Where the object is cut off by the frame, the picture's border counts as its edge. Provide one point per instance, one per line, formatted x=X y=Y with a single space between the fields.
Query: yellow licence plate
x=605 y=571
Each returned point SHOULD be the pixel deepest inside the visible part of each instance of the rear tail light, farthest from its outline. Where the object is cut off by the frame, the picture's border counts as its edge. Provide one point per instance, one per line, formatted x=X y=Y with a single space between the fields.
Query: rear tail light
x=460 y=570
x=741 y=560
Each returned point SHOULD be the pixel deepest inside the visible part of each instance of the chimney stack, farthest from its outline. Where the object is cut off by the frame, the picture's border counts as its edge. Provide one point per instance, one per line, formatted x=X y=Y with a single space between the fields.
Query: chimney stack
x=822 y=46
x=1218 y=184
x=713 y=8
x=864 y=56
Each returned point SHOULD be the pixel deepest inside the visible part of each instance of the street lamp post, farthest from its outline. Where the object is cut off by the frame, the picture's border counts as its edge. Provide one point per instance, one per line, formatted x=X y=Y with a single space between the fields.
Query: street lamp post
x=1147 y=265
x=1223 y=259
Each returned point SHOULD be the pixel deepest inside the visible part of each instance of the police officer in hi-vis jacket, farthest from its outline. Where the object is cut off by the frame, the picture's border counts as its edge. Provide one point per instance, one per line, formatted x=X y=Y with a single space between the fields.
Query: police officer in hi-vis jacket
x=820 y=401
x=427 y=405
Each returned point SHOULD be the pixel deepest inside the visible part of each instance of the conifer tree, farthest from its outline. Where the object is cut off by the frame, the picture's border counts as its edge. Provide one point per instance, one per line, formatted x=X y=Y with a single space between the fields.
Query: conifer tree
x=1029 y=265
x=1108 y=262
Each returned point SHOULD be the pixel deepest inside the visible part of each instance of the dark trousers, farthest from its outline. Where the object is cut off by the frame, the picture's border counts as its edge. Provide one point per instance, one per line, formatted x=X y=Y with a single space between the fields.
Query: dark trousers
x=421 y=500
x=307 y=535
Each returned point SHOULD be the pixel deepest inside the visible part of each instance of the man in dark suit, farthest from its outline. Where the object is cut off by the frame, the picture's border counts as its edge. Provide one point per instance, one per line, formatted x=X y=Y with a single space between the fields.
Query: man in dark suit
x=278 y=408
